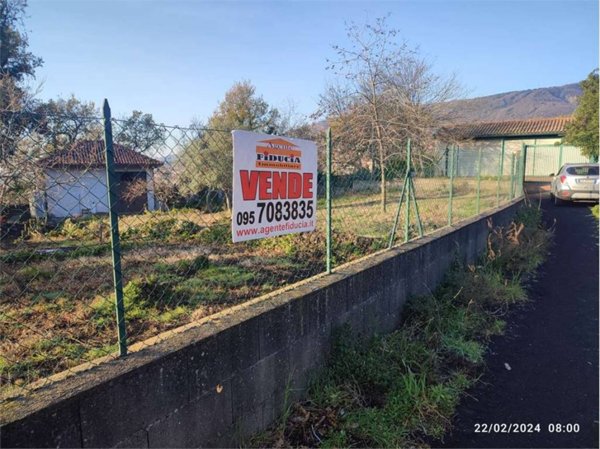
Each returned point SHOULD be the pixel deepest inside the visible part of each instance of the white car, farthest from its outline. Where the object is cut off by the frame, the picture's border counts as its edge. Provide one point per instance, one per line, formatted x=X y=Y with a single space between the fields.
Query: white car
x=575 y=182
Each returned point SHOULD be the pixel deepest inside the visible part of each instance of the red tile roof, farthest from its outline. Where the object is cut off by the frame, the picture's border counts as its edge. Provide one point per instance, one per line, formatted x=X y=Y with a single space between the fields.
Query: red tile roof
x=90 y=153
x=554 y=126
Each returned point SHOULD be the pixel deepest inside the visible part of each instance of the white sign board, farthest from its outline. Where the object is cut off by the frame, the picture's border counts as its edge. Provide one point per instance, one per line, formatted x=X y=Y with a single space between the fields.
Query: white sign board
x=274 y=186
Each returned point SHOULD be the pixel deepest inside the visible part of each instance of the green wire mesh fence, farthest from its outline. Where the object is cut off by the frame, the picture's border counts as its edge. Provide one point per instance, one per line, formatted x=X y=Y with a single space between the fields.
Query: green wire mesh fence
x=65 y=266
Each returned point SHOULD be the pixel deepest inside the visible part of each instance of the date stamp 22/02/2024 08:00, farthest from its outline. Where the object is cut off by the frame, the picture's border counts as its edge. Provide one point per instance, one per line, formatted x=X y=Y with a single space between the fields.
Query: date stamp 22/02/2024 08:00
x=526 y=428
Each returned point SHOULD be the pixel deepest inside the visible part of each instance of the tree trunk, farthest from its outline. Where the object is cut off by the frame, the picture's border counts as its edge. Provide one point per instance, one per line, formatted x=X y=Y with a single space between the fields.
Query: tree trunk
x=383 y=189
x=382 y=168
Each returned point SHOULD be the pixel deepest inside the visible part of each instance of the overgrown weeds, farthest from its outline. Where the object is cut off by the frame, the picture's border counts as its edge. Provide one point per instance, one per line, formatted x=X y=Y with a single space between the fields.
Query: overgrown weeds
x=67 y=290
x=401 y=390
x=520 y=247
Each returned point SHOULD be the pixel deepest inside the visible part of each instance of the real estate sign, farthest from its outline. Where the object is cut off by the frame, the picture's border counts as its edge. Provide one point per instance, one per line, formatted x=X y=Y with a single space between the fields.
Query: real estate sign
x=274 y=185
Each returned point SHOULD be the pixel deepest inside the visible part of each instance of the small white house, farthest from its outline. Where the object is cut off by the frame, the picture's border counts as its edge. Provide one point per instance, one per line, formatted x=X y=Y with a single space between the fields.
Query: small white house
x=74 y=181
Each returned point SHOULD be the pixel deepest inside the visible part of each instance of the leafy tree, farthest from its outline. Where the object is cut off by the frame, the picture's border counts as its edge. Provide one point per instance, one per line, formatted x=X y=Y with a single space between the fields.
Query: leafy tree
x=139 y=131
x=17 y=64
x=385 y=93
x=583 y=130
x=64 y=122
x=242 y=108
x=16 y=61
x=207 y=159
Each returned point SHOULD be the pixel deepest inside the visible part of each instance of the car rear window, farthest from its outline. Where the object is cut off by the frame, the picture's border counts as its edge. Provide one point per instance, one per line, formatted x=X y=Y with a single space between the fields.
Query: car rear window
x=583 y=171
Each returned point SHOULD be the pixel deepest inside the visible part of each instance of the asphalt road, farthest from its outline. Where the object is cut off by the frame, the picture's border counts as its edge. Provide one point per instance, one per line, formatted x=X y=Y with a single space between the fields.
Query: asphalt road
x=551 y=347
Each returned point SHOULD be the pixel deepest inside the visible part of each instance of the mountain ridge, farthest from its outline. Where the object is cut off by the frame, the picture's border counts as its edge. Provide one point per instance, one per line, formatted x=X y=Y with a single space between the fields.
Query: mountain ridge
x=541 y=102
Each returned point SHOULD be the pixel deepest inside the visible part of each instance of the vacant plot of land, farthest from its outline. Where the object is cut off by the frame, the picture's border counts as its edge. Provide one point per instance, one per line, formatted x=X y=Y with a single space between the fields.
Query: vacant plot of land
x=56 y=287
x=362 y=213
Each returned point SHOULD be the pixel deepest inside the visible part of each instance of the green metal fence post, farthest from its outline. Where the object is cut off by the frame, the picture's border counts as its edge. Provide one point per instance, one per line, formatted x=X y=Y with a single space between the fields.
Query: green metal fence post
x=500 y=170
x=328 y=198
x=451 y=190
x=114 y=229
x=517 y=175
x=417 y=214
x=397 y=217
x=407 y=213
x=405 y=186
x=479 y=181
x=512 y=176
x=522 y=168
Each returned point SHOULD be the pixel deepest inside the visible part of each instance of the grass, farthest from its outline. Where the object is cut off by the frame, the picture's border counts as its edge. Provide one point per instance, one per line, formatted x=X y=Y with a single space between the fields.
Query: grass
x=401 y=390
x=163 y=288
x=596 y=212
x=178 y=266
x=362 y=213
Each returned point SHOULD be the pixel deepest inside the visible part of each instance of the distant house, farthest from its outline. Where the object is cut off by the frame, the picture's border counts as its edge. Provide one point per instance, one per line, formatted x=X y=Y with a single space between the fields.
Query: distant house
x=74 y=181
x=542 y=138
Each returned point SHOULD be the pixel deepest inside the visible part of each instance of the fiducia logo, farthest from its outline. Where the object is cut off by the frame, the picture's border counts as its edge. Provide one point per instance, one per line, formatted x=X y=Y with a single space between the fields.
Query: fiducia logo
x=278 y=153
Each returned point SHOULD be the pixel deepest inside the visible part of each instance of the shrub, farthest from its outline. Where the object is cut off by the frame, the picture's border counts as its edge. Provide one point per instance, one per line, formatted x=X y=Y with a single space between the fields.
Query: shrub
x=207 y=200
x=153 y=291
x=519 y=247
x=311 y=246
x=31 y=273
x=158 y=229
x=161 y=227
x=216 y=234
x=486 y=287
x=84 y=228
x=185 y=267
x=187 y=229
x=27 y=255
x=142 y=298
x=215 y=284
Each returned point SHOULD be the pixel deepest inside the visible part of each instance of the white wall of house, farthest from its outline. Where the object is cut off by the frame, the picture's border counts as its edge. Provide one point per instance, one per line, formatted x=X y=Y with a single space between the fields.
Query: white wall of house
x=70 y=192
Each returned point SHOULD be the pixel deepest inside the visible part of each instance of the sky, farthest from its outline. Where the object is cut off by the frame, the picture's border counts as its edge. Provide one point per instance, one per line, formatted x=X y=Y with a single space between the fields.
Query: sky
x=176 y=59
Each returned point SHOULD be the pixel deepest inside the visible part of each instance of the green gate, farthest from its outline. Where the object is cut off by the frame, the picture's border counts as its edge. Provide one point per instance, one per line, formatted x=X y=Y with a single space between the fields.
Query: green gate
x=544 y=160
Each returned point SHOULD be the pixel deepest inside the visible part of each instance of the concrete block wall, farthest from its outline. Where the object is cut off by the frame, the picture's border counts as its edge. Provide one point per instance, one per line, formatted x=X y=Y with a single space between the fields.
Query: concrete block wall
x=217 y=381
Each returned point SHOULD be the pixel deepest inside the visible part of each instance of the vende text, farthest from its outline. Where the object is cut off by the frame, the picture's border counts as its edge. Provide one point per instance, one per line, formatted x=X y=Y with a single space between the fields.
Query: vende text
x=273 y=185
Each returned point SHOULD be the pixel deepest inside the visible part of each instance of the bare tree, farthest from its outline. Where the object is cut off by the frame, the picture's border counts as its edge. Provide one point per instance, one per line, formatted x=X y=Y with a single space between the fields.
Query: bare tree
x=385 y=93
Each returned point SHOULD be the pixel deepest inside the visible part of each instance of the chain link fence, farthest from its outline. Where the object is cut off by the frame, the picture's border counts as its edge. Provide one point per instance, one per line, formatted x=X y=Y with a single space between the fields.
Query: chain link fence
x=167 y=255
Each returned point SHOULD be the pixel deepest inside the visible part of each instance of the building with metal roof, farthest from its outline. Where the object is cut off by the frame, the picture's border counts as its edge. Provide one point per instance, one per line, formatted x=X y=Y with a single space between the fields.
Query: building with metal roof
x=537 y=127
x=539 y=139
